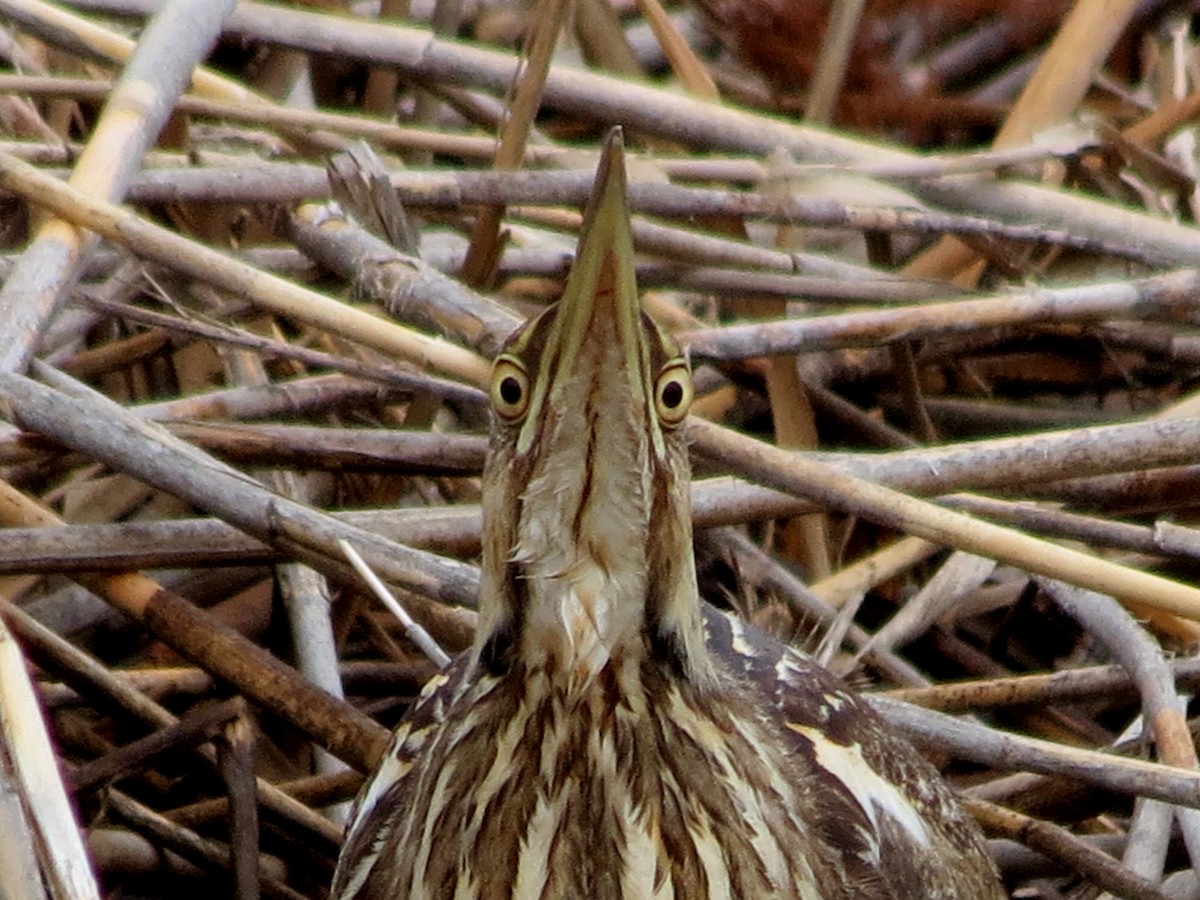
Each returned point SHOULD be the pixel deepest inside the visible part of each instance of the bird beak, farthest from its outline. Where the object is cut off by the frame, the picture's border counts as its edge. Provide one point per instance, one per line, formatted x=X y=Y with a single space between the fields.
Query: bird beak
x=599 y=305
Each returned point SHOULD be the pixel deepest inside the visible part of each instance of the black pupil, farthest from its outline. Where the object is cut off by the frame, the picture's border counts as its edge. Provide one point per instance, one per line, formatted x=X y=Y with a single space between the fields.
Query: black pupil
x=510 y=390
x=672 y=394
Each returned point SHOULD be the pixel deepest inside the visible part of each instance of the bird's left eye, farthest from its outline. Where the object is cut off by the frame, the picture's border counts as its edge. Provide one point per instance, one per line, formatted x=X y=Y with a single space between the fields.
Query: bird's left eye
x=673 y=393
x=510 y=389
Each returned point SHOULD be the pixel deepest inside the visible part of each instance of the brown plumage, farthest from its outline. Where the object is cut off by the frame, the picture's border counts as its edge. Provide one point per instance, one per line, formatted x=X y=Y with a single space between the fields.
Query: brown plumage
x=606 y=737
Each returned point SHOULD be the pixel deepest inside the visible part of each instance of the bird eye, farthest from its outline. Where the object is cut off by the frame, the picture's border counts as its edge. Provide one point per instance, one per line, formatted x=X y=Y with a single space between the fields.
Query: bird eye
x=510 y=389
x=673 y=393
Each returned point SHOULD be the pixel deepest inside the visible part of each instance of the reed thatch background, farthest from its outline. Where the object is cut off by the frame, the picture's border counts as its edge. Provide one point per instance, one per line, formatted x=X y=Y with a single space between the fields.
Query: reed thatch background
x=943 y=243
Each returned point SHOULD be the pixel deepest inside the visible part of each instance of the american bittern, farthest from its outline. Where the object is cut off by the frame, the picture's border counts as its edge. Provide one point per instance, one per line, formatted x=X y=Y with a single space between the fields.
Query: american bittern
x=605 y=737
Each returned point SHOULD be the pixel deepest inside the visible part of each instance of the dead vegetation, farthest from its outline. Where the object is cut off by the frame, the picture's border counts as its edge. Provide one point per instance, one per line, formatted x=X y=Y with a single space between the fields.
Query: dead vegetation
x=970 y=297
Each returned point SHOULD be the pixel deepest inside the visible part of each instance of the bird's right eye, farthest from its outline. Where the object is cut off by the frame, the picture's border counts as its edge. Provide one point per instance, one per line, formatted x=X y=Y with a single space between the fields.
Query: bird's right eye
x=673 y=393
x=510 y=389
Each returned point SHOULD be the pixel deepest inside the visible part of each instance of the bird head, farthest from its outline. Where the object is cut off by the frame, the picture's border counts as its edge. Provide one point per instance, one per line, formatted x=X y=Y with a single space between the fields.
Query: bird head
x=587 y=553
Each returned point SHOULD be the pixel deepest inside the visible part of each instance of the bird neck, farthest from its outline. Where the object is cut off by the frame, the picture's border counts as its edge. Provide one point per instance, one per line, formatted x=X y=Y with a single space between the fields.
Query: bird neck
x=596 y=579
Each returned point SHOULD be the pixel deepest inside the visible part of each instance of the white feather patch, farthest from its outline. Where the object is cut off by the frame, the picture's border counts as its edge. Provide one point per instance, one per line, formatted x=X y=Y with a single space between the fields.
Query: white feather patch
x=873 y=792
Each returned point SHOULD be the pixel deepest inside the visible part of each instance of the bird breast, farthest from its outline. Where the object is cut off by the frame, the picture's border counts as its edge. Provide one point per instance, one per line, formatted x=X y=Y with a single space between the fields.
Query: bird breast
x=632 y=789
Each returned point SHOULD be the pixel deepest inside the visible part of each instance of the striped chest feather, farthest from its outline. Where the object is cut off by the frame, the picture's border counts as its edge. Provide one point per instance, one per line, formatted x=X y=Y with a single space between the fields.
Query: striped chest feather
x=635 y=787
x=641 y=786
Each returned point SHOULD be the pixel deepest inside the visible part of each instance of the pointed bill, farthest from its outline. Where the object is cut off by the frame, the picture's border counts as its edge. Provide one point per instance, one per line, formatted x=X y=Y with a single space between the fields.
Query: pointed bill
x=600 y=300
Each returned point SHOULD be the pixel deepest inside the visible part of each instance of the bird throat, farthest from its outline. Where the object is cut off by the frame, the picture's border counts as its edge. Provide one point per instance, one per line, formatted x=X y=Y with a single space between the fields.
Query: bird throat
x=582 y=624
x=582 y=557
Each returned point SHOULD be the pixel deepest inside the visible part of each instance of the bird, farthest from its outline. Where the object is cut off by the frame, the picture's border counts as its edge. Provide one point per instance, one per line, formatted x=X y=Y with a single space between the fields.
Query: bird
x=608 y=735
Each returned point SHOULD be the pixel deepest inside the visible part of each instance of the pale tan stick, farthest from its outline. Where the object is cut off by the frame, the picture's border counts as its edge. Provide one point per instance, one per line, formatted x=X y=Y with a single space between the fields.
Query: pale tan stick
x=800 y=475
x=27 y=747
x=124 y=690
x=485 y=247
x=1171 y=296
x=1064 y=74
x=966 y=739
x=864 y=574
x=1162 y=707
x=687 y=67
x=696 y=123
x=1058 y=843
x=19 y=866
x=1039 y=689
x=340 y=728
x=81 y=32
x=830 y=71
x=1079 y=49
x=379 y=96
x=259 y=112
x=174 y=41
x=269 y=291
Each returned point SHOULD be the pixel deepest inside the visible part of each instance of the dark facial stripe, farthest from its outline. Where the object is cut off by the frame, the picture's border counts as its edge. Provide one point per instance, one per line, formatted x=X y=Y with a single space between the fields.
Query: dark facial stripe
x=666 y=644
x=585 y=492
